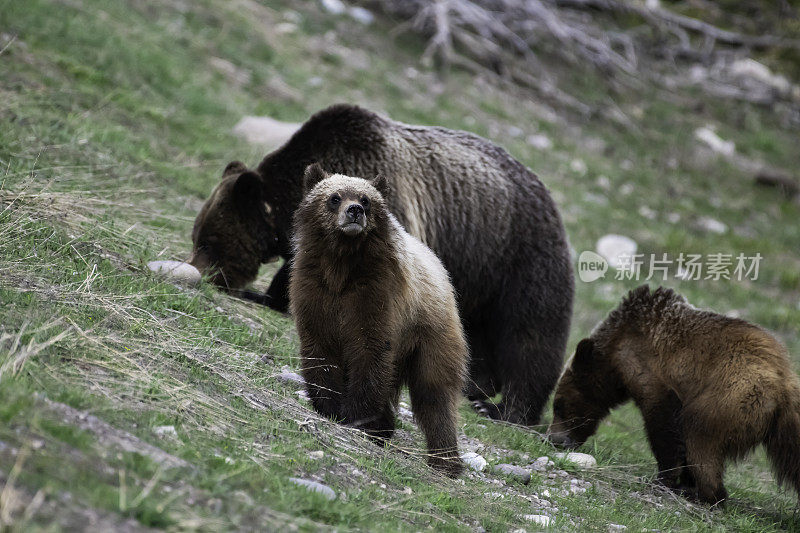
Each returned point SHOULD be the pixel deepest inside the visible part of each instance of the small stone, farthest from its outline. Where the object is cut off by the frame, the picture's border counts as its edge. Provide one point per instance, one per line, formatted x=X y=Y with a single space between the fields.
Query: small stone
x=545 y=493
x=515 y=131
x=334 y=7
x=539 y=519
x=287 y=376
x=364 y=16
x=475 y=461
x=583 y=460
x=177 y=270
x=539 y=141
x=517 y=472
x=714 y=141
x=165 y=431
x=616 y=249
x=647 y=213
x=407 y=490
x=617 y=527
x=712 y=225
x=316 y=455
x=284 y=28
x=313 y=486
x=578 y=167
x=264 y=131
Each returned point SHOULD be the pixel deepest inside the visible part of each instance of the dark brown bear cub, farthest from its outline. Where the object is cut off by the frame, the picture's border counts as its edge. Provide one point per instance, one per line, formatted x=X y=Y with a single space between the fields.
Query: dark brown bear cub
x=710 y=388
x=374 y=310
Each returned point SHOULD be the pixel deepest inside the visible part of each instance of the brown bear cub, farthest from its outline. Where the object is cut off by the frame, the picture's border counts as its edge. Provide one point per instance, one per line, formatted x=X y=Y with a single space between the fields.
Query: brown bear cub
x=375 y=310
x=709 y=387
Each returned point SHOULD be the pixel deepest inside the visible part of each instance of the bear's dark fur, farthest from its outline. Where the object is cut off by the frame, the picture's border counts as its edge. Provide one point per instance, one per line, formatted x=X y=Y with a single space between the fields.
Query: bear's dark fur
x=375 y=310
x=235 y=231
x=709 y=387
x=488 y=218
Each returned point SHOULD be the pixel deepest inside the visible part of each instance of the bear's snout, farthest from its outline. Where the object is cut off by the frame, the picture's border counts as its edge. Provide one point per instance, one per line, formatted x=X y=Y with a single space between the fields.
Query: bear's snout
x=562 y=439
x=354 y=212
x=353 y=219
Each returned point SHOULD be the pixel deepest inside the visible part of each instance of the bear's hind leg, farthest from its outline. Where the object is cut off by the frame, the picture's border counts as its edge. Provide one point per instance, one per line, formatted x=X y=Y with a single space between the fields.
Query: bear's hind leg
x=529 y=362
x=435 y=379
x=706 y=460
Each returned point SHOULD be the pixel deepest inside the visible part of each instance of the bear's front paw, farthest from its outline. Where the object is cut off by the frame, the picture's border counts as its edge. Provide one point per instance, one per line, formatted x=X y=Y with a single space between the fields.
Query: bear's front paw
x=379 y=428
x=449 y=465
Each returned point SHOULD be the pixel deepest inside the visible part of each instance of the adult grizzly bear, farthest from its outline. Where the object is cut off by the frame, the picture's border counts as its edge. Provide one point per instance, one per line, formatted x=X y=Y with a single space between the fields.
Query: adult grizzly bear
x=709 y=387
x=375 y=310
x=488 y=218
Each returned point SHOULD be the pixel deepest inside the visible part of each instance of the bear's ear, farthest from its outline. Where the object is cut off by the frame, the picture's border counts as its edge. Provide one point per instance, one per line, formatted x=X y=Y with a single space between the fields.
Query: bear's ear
x=313 y=175
x=234 y=167
x=382 y=184
x=584 y=354
x=248 y=187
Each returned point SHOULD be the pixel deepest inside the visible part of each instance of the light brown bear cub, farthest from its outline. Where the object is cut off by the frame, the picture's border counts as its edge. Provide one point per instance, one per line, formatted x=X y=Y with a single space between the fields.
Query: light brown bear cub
x=375 y=310
x=709 y=387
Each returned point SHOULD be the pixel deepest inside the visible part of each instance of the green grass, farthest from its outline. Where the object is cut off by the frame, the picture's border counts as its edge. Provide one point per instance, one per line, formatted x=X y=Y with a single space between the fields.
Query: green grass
x=115 y=126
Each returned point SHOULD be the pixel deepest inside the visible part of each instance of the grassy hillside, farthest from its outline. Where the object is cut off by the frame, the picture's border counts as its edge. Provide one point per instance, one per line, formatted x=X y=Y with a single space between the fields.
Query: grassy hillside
x=130 y=403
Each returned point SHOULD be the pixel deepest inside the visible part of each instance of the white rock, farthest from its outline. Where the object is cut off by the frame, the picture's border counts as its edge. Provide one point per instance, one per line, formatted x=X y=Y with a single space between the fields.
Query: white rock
x=515 y=131
x=714 y=141
x=264 y=131
x=473 y=460
x=617 y=527
x=614 y=248
x=335 y=7
x=285 y=27
x=287 y=376
x=316 y=455
x=165 y=431
x=698 y=73
x=712 y=225
x=538 y=519
x=542 y=462
x=583 y=460
x=364 y=16
x=177 y=270
x=327 y=492
x=652 y=4
x=578 y=166
x=647 y=213
x=750 y=68
x=405 y=412
x=539 y=141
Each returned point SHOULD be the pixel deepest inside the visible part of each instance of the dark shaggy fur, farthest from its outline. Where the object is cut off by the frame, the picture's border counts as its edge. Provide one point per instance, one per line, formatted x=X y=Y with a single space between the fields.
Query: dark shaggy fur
x=489 y=219
x=375 y=311
x=710 y=388
x=235 y=230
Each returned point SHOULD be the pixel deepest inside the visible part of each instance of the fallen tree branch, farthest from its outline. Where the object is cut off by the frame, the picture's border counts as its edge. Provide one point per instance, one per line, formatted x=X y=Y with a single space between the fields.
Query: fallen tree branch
x=659 y=16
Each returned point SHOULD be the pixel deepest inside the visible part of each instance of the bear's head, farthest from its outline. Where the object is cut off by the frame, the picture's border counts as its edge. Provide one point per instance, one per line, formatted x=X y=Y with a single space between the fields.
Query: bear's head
x=341 y=209
x=588 y=389
x=234 y=232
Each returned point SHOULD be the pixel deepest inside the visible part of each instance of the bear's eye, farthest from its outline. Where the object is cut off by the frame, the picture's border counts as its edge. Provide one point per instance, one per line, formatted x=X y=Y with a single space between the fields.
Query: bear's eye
x=365 y=202
x=334 y=200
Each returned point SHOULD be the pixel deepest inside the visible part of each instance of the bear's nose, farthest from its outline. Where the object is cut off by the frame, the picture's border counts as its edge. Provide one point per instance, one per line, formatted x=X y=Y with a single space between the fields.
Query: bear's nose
x=354 y=211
